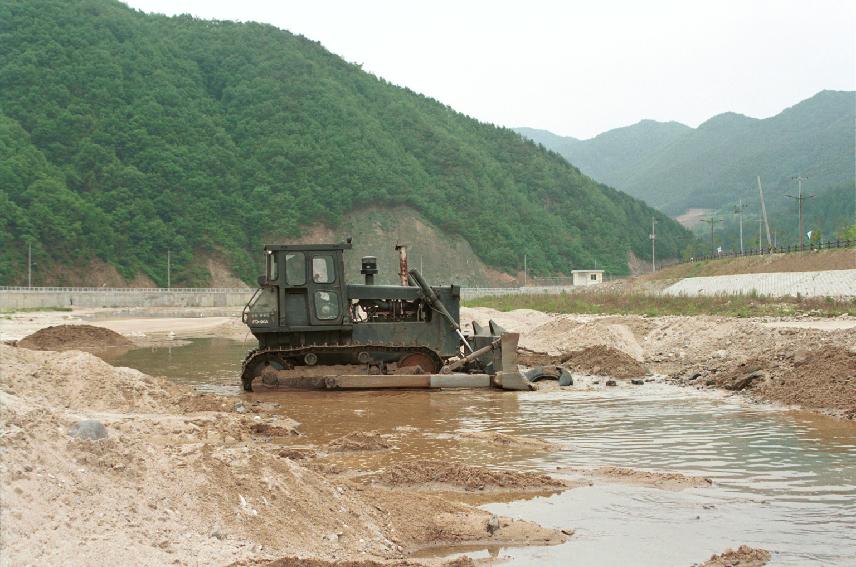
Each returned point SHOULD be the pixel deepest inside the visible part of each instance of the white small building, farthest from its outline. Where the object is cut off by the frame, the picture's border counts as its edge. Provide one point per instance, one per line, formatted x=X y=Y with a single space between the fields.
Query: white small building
x=587 y=277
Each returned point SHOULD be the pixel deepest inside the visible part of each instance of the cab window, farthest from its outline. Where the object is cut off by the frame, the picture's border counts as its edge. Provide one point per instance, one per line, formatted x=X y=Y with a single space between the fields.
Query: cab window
x=272 y=269
x=322 y=269
x=326 y=305
x=295 y=268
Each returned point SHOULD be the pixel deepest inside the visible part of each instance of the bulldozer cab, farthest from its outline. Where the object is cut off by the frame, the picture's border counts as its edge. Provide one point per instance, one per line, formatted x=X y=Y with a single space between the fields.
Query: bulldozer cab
x=303 y=288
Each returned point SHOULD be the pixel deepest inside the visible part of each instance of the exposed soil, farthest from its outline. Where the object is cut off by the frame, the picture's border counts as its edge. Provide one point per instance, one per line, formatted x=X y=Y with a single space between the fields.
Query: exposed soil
x=602 y=360
x=509 y=441
x=359 y=441
x=561 y=334
x=665 y=481
x=804 y=361
x=808 y=261
x=189 y=486
x=455 y=476
x=95 y=273
x=743 y=556
x=74 y=337
x=822 y=379
x=516 y=321
x=300 y=562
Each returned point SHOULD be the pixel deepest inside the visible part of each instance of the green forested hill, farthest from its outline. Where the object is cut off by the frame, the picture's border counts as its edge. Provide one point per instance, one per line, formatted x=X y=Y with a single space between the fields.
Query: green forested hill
x=123 y=135
x=715 y=164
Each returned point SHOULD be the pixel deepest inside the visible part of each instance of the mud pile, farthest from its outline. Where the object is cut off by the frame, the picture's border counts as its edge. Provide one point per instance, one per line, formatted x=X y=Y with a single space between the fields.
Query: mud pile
x=74 y=337
x=170 y=485
x=743 y=556
x=358 y=441
x=824 y=378
x=498 y=439
x=602 y=360
x=434 y=474
x=299 y=562
x=662 y=480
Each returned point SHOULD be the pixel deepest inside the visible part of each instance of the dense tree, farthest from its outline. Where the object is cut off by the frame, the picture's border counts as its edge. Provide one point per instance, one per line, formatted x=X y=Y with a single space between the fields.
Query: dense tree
x=123 y=135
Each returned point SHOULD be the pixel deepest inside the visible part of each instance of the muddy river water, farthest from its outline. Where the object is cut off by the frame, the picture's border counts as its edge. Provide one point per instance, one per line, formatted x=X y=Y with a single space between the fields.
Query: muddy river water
x=783 y=481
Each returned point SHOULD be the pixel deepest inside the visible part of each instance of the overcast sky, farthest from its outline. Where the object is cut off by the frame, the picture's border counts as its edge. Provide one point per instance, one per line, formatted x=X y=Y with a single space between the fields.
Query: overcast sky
x=578 y=68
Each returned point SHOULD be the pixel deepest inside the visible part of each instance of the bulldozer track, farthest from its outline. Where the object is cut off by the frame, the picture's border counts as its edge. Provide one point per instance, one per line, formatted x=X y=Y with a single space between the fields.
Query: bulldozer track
x=286 y=353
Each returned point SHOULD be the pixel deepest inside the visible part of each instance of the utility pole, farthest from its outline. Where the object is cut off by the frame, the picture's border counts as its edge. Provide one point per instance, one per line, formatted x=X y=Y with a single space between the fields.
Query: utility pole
x=168 y=270
x=653 y=237
x=800 y=198
x=738 y=210
x=29 y=264
x=525 y=277
x=712 y=222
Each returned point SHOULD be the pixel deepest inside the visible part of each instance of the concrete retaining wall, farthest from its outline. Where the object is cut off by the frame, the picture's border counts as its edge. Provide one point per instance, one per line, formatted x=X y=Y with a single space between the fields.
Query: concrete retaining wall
x=44 y=297
x=827 y=283
x=23 y=298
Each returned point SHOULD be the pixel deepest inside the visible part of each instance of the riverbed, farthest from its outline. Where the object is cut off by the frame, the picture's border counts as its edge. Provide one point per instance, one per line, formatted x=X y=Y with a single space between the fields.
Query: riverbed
x=783 y=480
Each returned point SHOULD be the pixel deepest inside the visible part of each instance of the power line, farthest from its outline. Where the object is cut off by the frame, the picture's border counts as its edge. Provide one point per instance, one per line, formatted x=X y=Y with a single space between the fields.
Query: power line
x=712 y=222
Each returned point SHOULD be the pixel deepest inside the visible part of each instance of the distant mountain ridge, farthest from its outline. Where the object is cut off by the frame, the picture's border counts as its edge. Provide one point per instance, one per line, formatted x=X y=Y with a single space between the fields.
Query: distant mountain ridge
x=674 y=167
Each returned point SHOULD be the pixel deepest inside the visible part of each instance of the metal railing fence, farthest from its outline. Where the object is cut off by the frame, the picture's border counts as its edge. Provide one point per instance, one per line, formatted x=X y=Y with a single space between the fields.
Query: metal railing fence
x=829 y=244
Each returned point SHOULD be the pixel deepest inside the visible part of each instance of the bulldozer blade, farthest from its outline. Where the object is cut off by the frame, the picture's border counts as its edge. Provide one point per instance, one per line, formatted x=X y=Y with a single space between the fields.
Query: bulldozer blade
x=509 y=377
x=480 y=330
x=496 y=330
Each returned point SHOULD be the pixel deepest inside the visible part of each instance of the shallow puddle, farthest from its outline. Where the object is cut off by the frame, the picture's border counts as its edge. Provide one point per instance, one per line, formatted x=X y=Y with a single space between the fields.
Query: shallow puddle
x=784 y=481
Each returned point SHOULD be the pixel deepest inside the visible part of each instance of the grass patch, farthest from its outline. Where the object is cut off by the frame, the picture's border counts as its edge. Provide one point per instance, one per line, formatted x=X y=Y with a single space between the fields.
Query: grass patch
x=35 y=309
x=632 y=303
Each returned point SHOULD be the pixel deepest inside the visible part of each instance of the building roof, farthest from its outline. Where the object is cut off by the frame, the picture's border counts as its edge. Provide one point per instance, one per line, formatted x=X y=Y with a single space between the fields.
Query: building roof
x=586 y=271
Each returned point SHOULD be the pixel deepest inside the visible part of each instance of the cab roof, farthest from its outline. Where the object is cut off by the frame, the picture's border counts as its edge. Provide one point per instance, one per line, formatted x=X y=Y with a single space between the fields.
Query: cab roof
x=308 y=247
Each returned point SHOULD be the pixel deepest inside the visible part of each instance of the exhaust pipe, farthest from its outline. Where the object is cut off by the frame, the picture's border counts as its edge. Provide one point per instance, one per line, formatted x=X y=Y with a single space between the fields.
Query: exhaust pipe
x=368 y=268
x=402 y=264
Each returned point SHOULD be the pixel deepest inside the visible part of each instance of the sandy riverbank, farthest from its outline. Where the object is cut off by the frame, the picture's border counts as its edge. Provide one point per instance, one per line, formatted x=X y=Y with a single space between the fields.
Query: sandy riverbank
x=184 y=478
x=804 y=361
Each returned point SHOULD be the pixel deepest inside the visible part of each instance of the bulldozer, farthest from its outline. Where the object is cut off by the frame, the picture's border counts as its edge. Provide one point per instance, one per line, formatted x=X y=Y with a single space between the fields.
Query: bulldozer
x=308 y=318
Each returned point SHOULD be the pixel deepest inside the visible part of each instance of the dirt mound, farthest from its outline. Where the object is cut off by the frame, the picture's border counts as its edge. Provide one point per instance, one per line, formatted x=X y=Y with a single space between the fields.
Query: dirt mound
x=743 y=556
x=603 y=361
x=509 y=441
x=515 y=321
x=299 y=562
x=564 y=333
x=170 y=487
x=74 y=337
x=359 y=441
x=666 y=481
x=821 y=379
x=464 y=477
x=79 y=381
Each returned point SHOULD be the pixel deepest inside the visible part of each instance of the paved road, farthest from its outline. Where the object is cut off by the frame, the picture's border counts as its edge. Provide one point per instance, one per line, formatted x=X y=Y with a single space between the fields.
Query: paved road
x=834 y=283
